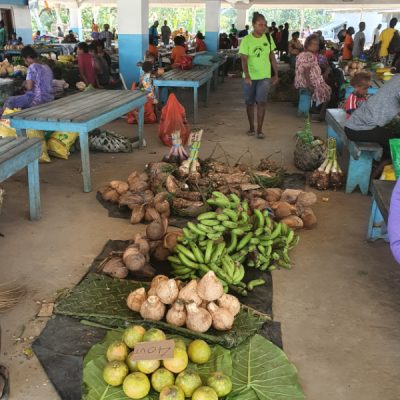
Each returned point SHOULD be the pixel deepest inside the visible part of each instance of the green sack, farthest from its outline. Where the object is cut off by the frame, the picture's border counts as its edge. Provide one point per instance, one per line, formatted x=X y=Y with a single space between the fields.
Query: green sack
x=395 y=152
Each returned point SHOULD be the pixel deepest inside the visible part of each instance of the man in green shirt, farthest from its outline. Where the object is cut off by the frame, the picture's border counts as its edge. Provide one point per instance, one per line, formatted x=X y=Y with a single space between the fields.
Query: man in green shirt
x=258 y=62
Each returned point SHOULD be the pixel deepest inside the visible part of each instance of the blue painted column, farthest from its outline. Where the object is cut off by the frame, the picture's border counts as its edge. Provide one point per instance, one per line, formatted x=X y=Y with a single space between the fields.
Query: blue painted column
x=133 y=37
x=75 y=22
x=23 y=23
x=213 y=11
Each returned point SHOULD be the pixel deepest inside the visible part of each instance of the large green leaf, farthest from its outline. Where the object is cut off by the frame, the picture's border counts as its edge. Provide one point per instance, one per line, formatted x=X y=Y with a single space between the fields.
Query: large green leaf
x=263 y=372
x=96 y=389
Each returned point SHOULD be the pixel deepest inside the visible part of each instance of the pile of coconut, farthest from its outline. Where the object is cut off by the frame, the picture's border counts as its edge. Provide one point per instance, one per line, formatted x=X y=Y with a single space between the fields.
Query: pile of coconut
x=198 y=305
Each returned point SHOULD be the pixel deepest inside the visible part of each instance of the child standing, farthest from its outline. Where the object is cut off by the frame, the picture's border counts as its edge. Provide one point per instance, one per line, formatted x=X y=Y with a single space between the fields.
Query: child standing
x=360 y=82
x=146 y=84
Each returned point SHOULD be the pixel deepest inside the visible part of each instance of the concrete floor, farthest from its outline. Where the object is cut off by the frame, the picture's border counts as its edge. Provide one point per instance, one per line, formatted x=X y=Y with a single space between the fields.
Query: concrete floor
x=338 y=306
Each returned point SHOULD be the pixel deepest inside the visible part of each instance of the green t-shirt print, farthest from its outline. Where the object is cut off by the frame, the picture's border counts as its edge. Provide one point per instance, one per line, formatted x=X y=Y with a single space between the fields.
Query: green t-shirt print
x=257 y=51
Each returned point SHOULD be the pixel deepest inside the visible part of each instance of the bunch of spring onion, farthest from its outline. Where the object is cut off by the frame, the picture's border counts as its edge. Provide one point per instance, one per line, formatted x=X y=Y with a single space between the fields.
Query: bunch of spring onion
x=177 y=153
x=192 y=164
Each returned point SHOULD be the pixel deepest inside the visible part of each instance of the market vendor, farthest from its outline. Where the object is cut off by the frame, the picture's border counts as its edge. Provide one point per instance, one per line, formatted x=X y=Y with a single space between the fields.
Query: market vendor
x=179 y=50
x=38 y=85
x=347 y=53
x=200 y=44
x=394 y=222
x=309 y=74
x=86 y=65
x=258 y=62
x=295 y=48
x=369 y=122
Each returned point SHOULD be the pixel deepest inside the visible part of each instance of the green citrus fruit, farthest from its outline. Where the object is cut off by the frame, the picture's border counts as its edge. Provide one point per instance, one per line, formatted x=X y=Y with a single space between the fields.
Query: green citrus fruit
x=162 y=378
x=172 y=393
x=132 y=335
x=136 y=385
x=154 y=334
x=115 y=372
x=117 y=351
x=178 y=363
x=220 y=383
x=199 y=351
x=188 y=381
x=205 y=393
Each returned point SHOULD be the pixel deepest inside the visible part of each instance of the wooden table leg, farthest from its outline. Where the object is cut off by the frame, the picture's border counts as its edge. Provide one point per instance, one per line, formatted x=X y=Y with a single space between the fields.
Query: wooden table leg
x=141 y=126
x=84 y=143
x=34 y=190
x=196 y=103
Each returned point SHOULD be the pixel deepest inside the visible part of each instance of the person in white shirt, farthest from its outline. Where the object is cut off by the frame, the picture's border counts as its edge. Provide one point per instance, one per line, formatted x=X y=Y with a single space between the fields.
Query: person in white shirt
x=375 y=35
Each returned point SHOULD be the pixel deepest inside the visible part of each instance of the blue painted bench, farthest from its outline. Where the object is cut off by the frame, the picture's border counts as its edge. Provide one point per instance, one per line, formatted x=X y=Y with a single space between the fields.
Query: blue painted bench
x=193 y=78
x=361 y=154
x=18 y=153
x=81 y=113
x=376 y=84
x=382 y=193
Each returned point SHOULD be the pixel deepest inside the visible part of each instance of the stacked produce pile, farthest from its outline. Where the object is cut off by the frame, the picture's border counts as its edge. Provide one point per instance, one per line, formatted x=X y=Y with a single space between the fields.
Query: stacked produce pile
x=7 y=69
x=353 y=67
x=198 y=305
x=329 y=174
x=13 y=47
x=230 y=239
x=173 y=378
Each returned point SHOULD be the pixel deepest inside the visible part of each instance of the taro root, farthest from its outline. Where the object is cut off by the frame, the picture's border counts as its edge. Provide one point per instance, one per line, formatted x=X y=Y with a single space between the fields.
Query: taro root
x=182 y=203
x=293 y=222
x=115 y=268
x=137 y=213
x=148 y=196
x=176 y=315
x=198 y=319
x=192 y=196
x=209 y=287
x=229 y=302
x=144 y=176
x=259 y=203
x=154 y=244
x=152 y=309
x=111 y=195
x=144 y=246
x=162 y=207
x=138 y=186
x=130 y=199
x=222 y=319
x=120 y=186
x=188 y=293
x=171 y=239
x=151 y=214
x=306 y=199
x=167 y=291
x=136 y=299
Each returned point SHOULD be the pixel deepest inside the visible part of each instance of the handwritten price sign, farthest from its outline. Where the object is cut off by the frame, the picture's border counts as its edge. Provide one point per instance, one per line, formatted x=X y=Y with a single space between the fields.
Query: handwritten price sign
x=157 y=350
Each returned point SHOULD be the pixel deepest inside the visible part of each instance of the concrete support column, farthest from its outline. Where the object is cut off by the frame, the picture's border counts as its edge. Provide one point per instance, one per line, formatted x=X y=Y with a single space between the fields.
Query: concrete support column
x=213 y=10
x=241 y=19
x=133 y=37
x=75 y=21
x=23 y=23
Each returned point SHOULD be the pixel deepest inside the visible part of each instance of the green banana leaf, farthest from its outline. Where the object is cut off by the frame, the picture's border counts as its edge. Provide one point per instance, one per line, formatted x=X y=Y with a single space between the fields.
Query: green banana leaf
x=102 y=300
x=96 y=389
x=263 y=372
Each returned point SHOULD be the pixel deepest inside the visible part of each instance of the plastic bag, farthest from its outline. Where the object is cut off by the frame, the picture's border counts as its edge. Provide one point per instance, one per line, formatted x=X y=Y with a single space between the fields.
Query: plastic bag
x=395 y=152
x=149 y=114
x=173 y=119
x=60 y=144
x=6 y=131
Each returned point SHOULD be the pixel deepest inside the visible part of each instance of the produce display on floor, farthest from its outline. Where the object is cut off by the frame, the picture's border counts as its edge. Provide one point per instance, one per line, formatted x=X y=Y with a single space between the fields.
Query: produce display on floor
x=255 y=370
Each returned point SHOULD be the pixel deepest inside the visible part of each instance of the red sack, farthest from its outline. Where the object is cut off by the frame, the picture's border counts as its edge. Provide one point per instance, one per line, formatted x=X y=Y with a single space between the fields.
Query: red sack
x=173 y=119
x=183 y=62
x=149 y=114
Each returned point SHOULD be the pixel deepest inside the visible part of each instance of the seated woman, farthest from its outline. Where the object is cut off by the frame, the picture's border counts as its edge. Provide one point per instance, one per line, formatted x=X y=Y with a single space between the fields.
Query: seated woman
x=100 y=67
x=86 y=64
x=199 y=40
x=309 y=75
x=394 y=222
x=38 y=85
x=295 y=48
x=179 y=50
x=369 y=122
x=13 y=41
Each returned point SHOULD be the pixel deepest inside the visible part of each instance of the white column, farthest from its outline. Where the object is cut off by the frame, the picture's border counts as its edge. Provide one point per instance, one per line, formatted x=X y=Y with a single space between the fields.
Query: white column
x=133 y=36
x=23 y=23
x=241 y=18
x=213 y=10
x=75 y=21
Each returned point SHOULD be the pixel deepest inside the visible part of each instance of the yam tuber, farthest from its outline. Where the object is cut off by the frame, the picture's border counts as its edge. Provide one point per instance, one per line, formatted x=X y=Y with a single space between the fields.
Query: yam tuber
x=136 y=299
x=222 y=319
x=137 y=213
x=283 y=210
x=306 y=199
x=115 y=268
x=160 y=253
x=231 y=303
x=176 y=315
x=133 y=259
x=272 y=194
x=198 y=319
x=210 y=287
x=188 y=293
x=120 y=186
x=155 y=230
x=290 y=195
x=259 y=203
x=167 y=291
x=152 y=309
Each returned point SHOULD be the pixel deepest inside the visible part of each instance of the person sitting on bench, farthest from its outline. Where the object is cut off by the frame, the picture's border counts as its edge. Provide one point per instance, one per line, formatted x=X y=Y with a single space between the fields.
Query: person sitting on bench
x=369 y=122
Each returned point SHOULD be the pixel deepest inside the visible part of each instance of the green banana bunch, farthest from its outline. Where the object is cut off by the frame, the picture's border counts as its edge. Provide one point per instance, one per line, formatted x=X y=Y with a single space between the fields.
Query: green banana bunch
x=228 y=239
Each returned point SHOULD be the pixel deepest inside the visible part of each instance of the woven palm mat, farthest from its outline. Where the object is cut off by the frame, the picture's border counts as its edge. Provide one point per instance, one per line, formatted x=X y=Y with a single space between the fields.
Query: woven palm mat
x=64 y=342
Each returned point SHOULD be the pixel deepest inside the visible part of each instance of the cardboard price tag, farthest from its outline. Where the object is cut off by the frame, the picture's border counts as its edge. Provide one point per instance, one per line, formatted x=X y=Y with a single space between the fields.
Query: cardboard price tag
x=157 y=350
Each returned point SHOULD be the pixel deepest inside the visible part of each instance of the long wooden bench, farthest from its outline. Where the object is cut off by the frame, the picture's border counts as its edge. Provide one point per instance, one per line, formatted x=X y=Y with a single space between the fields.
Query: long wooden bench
x=18 y=153
x=361 y=154
x=382 y=193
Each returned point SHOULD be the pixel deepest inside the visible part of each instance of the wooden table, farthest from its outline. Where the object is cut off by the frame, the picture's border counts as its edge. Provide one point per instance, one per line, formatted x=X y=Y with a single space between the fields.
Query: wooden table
x=81 y=113
x=193 y=78
x=382 y=193
x=18 y=153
